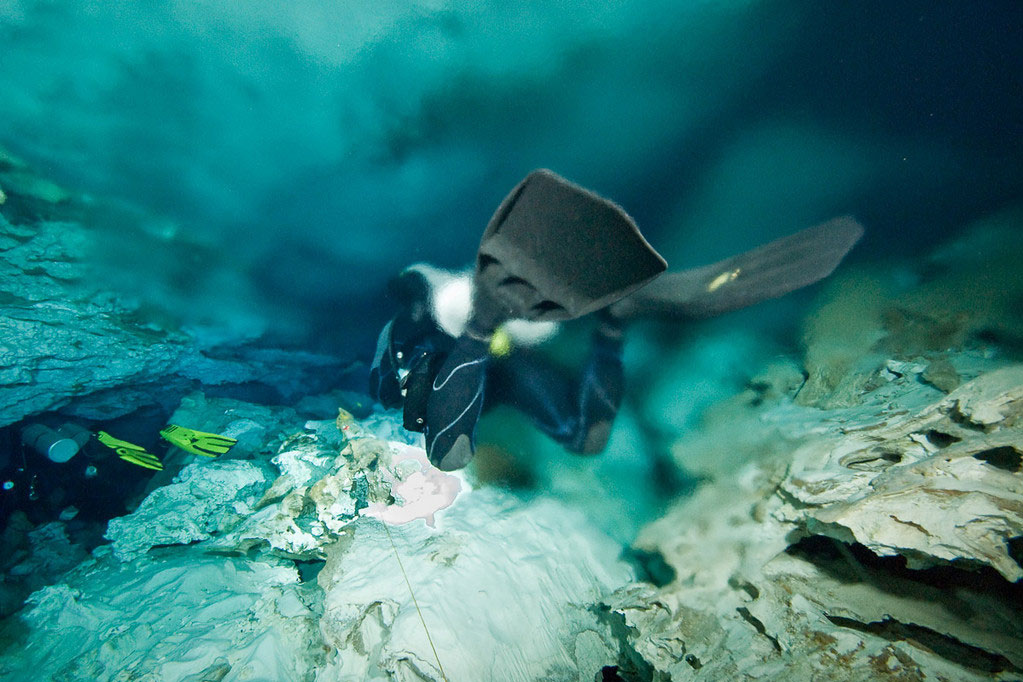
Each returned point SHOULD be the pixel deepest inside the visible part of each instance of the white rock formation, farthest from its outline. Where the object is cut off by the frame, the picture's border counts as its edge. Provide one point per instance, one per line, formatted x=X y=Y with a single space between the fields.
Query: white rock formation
x=65 y=338
x=206 y=498
x=774 y=580
x=502 y=591
x=936 y=486
x=73 y=337
x=507 y=589
x=180 y=614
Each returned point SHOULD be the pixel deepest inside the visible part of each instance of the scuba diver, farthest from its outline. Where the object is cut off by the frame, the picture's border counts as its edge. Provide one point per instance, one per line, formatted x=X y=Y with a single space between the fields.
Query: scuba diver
x=554 y=251
x=49 y=469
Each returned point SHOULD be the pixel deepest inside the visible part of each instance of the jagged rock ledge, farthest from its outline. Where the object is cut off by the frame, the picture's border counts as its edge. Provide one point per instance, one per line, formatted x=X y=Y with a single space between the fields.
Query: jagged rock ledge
x=866 y=522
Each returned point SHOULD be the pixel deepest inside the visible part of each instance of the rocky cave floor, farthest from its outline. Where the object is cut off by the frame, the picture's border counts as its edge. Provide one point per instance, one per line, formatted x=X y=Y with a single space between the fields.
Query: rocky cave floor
x=858 y=513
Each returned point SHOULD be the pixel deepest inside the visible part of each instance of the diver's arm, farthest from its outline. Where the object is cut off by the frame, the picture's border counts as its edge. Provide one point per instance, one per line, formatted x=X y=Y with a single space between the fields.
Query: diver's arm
x=600 y=390
x=383 y=373
x=455 y=403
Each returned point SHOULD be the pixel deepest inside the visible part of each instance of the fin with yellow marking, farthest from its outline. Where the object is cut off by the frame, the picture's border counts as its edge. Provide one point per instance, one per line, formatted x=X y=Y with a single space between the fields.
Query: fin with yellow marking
x=129 y=452
x=197 y=442
x=768 y=271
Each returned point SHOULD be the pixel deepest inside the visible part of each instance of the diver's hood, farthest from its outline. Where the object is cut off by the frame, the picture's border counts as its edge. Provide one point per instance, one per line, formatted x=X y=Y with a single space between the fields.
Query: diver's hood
x=556 y=251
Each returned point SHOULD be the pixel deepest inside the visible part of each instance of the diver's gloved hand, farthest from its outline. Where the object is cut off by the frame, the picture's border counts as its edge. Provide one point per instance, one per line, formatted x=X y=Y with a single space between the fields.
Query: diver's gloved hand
x=455 y=403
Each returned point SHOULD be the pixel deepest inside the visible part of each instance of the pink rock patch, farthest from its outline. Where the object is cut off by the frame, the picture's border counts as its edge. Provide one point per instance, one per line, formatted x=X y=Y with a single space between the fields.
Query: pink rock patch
x=422 y=493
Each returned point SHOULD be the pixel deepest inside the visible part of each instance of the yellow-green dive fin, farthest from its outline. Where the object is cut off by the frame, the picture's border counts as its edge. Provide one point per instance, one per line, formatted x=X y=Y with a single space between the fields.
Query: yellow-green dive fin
x=129 y=452
x=197 y=442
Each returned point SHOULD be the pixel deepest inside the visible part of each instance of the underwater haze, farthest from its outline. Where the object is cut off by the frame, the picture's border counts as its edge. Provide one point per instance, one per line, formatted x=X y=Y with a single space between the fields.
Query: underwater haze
x=318 y=148
x=242 y=439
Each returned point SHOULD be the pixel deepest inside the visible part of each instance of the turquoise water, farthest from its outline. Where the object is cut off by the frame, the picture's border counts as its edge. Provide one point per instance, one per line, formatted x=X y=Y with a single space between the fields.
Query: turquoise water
x=206 y=201
x=312 y=148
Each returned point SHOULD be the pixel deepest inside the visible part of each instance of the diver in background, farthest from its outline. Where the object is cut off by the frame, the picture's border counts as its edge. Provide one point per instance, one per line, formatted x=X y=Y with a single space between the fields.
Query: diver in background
x=554 y=251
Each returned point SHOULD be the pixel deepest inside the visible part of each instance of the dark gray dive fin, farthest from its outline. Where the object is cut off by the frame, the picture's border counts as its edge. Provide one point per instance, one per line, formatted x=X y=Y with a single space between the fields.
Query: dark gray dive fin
x=555 y=251
x=766 y=272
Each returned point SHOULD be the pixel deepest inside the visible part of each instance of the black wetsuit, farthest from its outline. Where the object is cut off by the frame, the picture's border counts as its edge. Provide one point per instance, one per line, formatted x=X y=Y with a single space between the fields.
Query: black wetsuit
x=554 y=251
x=575 y=411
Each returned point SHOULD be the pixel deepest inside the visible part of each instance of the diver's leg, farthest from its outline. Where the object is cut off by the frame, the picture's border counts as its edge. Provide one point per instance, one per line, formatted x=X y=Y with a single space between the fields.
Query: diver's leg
x=531 y=384
x=600 y=389
x=577 y=414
